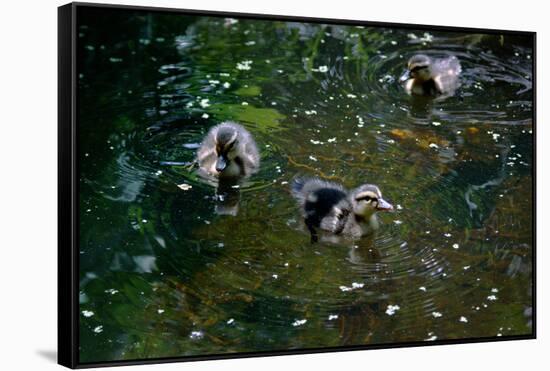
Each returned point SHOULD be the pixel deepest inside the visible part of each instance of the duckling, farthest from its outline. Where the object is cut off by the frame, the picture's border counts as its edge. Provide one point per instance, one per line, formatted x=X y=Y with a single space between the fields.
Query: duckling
x=228 y=151
x=330 y=207
x=431 y=77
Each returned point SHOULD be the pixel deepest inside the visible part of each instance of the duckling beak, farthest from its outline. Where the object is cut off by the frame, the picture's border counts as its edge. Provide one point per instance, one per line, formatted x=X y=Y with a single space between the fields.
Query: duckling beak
x=384 y=205
x=405 y=76
x=221 y=164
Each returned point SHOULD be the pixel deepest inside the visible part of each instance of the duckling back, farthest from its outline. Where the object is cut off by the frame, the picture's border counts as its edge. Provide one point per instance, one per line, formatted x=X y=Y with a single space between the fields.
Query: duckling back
x=323 y=204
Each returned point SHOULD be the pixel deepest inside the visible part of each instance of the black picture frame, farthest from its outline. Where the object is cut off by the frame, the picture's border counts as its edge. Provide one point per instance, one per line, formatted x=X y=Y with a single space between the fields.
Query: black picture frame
x=68 y=190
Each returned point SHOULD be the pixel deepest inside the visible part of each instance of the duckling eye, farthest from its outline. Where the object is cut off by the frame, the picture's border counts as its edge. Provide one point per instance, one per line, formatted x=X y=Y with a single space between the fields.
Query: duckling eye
x=417 y=68
x=366 y=198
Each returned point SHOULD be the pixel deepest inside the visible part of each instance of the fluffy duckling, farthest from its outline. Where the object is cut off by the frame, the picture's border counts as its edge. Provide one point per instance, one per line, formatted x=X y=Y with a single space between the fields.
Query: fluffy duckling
x=330 y=207
x=228 y=151
x=430 y=77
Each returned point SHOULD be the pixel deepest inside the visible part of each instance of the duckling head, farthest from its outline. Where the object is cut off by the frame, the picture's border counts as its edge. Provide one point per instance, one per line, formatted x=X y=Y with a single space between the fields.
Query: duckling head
x=226 y=146
x=367 y=200
x=418 y=68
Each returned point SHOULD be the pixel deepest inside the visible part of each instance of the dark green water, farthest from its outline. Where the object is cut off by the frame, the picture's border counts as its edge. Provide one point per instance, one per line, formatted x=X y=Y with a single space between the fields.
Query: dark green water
x=161 y=274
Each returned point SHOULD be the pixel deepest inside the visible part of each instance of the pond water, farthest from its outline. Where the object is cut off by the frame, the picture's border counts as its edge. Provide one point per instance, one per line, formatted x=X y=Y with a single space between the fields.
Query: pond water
x=163 y=275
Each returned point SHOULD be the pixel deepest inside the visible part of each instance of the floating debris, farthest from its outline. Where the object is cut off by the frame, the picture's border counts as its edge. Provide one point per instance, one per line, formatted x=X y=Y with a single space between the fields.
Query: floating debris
x=495 y=290
x=160 y=311
x=312 y=158
x=391 y=309
x=431 y=337
x=332 y=317
x=98 y=329
x=463 y=319
x=204 y=103
x=226 y=85
x=205 y=115
x=111 y=291
x=196 y=335
x=185 y=186
x=492 y=297
x=230 y=321
x=397 y=222
x=244 y=65
x=275 y=276
x=323 y=69
x=422 y=288
x=455 y=246
x=353 y=96
x=433 y=145
x=311 y=112
x=435 y=123
x=87 y=313
x=437 y=314
x=250 y=43
x=299 y=322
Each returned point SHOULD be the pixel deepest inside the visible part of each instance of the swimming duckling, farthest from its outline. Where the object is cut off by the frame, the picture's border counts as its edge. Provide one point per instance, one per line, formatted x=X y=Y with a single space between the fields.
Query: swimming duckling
x=430 y=77
x=228 y=151
x=330 y=207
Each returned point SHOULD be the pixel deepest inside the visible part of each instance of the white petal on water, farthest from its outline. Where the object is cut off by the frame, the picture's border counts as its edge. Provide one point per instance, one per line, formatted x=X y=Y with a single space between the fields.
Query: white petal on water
x=492 y=297
x=205 y=115
x=399 y=207
x=422 y=288
x=466 y=267
x=332 y=140
x=437 y=314
x=204 y=103
x=495 y=290
x=431 y=338
x=433 y=145
x=185 y=186
x=87 y=313
x=226 y=85
x=250 y=43
x=299 y=322
x=463 y=319
x=332 y=317
x=356 y=285
x=447 y=235
x=435 y=123
x=111 y=291
x=196 y=335
x=323 y=69
x=310 y=112
x=353 y=96
x=244 y=65
x=455 y=246
x=230 y=321
x=397 y=222
x=312 y=158
x=244 y=103
x=98 y=329
x=345 y=288
x=160 y=311
x=391 y=309
x=275 y=276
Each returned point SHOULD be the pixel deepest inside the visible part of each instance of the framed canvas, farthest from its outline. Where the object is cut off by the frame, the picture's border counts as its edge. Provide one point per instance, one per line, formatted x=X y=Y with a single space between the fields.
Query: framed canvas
x=237 y=185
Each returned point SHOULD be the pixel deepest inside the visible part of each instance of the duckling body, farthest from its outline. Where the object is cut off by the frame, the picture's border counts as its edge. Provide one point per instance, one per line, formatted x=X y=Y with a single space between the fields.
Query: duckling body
x=430 y=77
x=228 y=151
x=330 y=207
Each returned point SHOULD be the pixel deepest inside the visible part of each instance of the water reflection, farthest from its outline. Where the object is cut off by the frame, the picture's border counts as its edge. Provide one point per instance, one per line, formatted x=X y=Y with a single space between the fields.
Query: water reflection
x=166 y=272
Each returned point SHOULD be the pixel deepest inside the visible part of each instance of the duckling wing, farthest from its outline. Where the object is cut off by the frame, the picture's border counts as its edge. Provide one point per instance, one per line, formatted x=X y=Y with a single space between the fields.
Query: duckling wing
x=206 y=154
x=447 y=72
x=337 y=218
